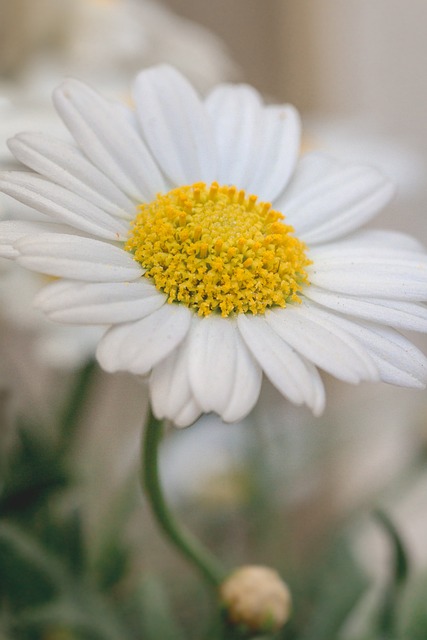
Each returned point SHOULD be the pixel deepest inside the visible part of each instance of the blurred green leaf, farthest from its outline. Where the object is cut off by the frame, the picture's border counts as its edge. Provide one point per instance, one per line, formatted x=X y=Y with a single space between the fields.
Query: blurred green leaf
x=44 y=593
x=63 y=536
x=414 y=612
x=111 y=555
x=29 y=573
x=89 y=616
x=156 y=620
x=34 y=473
x=112 y=564
x=400 y=555
x=389 y=609
x=338 y=590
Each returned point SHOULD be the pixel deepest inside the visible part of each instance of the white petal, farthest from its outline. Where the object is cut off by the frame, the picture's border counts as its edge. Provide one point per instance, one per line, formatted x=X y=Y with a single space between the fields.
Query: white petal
x=138 y=346
x=403 y=276
x=170 y=386
x=67 y=166
x=247 y=384
x=398 y=360
x=379 y=239
x=257 y=146
x=223 y=375
x=336 y=204
x=61 y=205
x=99 y=303
x=216 y=385
x=311 y=168
x=285 y=369
x=318 y=397
x=235 y=114
x=175 y=125
x=108 y=139
x=277 y=153
x=77 y=258
x=12 y=230
x=354 y=251
x=188 y=414
x=392 y=313
x=318 y=340
x=212 y=362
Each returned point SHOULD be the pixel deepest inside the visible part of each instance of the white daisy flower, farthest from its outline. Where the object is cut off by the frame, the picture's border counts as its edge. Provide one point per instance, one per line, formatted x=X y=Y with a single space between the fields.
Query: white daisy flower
x=214 y=254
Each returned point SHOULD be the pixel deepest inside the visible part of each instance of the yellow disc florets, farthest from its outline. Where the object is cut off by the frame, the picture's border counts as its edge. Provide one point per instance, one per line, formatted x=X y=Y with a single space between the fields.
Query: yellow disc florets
x=215 y=249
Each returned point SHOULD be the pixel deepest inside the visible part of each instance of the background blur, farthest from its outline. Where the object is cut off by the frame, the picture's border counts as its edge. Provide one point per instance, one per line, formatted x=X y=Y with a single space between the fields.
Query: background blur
x=356 y=71
x=359 y=63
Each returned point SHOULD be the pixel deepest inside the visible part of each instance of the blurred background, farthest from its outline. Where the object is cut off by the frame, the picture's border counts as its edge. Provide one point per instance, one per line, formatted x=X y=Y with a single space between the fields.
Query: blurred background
x=283 y=488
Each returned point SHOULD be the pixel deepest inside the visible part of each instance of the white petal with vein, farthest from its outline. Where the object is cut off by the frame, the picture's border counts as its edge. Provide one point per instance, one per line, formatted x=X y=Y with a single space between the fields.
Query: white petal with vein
x=67 y=166
x=277 y=153
x=393 y=313
x=246 y=386
x=138 y=346
x=212 y=362
x=175 y=125
x=336 y=204
x=285 y=369
x=236 y=113
x=313 y=336
x=403 y=276
x=171 y=393
x=99 y=303
x=77 y=258
x=12 y=230
x=62 y=205
x=399 y=362
x=109 y=140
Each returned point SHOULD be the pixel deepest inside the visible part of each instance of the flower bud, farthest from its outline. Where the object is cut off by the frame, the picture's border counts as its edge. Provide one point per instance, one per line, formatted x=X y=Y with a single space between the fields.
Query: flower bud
x=256 y=598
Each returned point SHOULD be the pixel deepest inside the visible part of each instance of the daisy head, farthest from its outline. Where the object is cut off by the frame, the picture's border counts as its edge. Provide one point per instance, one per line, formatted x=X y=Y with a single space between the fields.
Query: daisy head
x=212 y=252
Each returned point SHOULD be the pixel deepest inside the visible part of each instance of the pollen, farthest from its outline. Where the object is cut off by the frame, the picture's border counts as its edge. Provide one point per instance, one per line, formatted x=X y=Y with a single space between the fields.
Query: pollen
x=218 y=250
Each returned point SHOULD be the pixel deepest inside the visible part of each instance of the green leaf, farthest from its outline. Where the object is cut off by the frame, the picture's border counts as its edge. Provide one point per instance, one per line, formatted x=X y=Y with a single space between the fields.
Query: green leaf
x=389 y=609
x=29 y=573
x=35 y=472
x=112 y=565
x=414 y=614
x=155 y=617
x=400 y=555
x=63 y=536
x=338 y=591
x=90 y=622
x=110 y=556
x=44 y=593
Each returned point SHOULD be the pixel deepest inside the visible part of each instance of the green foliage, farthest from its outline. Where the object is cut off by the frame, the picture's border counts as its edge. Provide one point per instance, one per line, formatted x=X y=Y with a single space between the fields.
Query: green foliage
x=56 y=584
x=336 y=587
x=414 y=614
x=33 y=474
x=390 y=607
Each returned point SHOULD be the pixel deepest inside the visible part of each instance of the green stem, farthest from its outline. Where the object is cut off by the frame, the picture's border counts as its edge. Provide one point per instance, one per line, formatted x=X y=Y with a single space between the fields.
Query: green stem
x=191 y=548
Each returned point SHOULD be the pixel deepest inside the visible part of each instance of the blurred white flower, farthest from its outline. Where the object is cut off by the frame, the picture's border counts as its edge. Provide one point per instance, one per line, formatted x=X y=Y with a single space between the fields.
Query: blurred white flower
x=118 y=37
x=105 y=42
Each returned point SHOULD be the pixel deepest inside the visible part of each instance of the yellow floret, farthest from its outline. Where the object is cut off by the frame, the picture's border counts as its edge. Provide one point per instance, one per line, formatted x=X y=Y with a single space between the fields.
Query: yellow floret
x=215 y=249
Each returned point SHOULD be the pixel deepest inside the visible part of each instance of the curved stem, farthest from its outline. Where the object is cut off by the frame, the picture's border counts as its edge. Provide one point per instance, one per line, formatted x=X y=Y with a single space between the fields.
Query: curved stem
x=191 y=548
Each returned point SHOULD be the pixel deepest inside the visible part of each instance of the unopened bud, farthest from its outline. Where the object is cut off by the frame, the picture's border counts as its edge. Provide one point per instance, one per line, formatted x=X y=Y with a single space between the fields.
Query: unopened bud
x=256 y=598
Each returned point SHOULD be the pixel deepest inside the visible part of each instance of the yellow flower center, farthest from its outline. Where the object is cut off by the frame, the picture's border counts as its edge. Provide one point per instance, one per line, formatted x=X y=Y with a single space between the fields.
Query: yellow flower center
x=216 y=249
